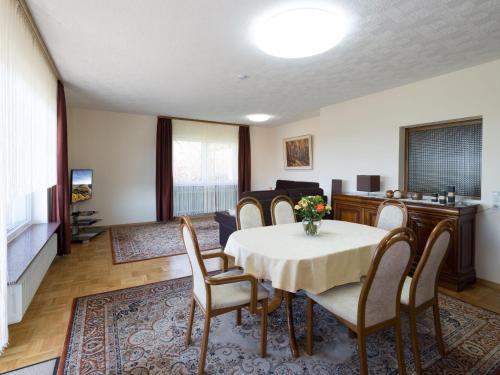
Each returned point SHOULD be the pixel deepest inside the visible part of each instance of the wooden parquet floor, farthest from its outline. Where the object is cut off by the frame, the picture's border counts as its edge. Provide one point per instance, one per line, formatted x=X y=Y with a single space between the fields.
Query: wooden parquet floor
x=89 y=270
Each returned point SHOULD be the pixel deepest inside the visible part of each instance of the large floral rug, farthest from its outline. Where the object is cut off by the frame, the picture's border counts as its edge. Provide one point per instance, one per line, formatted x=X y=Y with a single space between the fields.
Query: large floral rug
x=132 y=243
x=141 y=330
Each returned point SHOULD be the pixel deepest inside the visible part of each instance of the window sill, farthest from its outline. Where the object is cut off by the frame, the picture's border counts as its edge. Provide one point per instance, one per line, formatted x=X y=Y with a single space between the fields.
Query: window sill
x=12 y=235
x=22 y=250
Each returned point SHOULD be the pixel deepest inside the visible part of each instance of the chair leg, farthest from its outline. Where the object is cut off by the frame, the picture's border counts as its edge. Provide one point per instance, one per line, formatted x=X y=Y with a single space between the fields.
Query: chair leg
x=190 y=321
x=310 y=328
x=363 y=365
x=204 y=345
x=414 y=341
x=263 y=329
x=399 y=348
x=238 y=317
x=437 y=326
x=291 y=327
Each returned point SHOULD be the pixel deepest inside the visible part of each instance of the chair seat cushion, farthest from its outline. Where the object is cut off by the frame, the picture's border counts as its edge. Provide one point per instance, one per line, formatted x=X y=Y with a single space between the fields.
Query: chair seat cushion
x=405 y=293
x=342 y=301
x=234 y=294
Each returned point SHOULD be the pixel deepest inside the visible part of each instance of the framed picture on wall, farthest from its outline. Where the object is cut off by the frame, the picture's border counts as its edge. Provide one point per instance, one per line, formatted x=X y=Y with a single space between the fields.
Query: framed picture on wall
x=297 y=152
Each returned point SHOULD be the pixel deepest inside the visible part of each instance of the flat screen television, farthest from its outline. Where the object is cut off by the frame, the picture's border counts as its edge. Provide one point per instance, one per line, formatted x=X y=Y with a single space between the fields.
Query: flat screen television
x=81 y=185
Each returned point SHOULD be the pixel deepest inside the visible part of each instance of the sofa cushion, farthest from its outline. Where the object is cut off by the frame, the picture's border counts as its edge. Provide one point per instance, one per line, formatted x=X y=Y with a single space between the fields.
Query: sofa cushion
x=297 y=193
x=264 y=194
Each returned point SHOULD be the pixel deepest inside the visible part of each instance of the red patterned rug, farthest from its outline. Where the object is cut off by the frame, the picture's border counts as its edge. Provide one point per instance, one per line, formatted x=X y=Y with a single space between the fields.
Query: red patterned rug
x=132 y=243
x=141 y=330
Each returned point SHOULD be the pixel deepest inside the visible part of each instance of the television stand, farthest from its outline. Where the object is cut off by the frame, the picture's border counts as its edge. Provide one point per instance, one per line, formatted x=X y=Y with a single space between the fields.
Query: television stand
x=82 y=229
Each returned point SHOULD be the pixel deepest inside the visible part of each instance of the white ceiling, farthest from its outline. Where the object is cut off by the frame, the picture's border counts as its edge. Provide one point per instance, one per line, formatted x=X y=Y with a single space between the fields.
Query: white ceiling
x=182 y=57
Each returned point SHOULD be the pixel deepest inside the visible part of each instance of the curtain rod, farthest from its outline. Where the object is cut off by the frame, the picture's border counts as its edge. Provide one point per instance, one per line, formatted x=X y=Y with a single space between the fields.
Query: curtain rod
x=205 y=121
x=36 y=33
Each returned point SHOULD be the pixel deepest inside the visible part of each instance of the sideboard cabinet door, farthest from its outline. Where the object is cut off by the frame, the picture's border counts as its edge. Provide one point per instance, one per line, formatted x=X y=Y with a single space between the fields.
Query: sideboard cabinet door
x=370 y=216
x=423 y=225
x=346 y=212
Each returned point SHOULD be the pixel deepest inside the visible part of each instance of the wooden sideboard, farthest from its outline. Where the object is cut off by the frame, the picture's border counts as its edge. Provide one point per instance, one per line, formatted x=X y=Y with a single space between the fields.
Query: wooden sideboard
x=458 y=271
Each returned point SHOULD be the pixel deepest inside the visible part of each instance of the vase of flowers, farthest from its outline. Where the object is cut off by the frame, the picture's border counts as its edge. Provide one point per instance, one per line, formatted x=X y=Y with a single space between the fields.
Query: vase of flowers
x=312 y=209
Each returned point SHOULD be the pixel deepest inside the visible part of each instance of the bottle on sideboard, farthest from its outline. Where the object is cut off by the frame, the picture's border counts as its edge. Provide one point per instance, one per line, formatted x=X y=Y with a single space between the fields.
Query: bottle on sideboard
x=442 y=197
x=451 y=194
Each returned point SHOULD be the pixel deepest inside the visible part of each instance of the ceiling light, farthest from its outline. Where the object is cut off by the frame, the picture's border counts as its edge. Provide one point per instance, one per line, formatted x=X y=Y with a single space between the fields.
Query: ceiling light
x=259 y=117
x=301 y=32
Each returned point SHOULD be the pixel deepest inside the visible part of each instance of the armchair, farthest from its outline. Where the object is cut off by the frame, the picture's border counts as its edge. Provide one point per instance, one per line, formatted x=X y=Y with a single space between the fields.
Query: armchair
x=222 y=293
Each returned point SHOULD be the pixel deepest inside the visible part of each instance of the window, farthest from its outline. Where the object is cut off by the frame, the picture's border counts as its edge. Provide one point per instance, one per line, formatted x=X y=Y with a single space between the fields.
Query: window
x=28 y=124
x=18 y=215
x=444 y=154
x=28 y=118
x=205 y=167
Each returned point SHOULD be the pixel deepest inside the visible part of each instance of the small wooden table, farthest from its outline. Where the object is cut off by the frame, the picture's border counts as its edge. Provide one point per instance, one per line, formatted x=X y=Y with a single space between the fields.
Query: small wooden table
x=292 y=261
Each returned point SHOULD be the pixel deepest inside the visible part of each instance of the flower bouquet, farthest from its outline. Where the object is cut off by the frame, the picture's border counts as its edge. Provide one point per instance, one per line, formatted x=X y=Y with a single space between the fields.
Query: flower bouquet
x=312 y=209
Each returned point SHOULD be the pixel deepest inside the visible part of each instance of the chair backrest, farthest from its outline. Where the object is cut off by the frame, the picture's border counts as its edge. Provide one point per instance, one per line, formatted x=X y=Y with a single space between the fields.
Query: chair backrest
x=249 y=214
x=391 y=214
x=282 y=210
x=379 y=300
x=195 y=260
x=424 y=282
x=265 y=197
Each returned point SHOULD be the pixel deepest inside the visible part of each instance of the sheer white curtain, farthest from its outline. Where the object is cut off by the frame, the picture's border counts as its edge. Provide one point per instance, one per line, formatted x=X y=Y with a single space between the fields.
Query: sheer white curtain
x=28 y=122
x=205 y=167
x=28 y=106
x=4 y=333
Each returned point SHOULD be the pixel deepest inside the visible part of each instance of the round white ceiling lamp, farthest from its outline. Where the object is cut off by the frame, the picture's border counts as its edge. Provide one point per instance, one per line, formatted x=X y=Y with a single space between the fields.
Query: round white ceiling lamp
x=259 y=117
x=301 y=32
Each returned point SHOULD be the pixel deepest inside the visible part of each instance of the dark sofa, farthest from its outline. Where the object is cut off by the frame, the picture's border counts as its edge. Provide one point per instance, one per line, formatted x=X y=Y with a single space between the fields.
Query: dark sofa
x=294 y=189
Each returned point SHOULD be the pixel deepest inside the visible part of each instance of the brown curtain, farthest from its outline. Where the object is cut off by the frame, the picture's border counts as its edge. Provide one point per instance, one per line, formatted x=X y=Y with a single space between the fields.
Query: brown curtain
x=60 y=197
x=244 y=162
x=164 y=176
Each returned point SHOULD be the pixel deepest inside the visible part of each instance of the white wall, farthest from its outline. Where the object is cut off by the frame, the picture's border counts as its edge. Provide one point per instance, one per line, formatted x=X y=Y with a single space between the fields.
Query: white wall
x=361 y=136
x=267 y=153
x=121 y=149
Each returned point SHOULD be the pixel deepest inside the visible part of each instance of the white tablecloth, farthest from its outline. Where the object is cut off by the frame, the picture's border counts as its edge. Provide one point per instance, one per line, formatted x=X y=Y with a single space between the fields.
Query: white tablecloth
x=291 y=260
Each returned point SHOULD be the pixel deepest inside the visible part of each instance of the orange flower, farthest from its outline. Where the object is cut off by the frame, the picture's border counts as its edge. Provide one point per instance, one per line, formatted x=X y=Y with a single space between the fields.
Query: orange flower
x=320 y=207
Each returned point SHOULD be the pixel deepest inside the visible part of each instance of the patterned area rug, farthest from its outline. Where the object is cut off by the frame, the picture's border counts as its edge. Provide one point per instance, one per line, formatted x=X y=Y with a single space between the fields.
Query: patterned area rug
x=132 y=243
x=141 y=331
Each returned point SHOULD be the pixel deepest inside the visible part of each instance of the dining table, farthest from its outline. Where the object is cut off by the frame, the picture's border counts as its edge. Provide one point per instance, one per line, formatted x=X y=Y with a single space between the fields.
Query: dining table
x=289 y=260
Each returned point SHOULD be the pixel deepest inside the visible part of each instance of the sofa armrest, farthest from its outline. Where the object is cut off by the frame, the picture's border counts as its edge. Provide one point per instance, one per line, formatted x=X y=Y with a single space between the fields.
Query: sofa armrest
x=227 y=225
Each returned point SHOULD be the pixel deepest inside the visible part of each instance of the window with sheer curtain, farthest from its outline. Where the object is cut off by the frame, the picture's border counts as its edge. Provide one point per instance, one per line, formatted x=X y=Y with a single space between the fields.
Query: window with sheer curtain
x=28 y=110
x=28 y=130
x=205 y=167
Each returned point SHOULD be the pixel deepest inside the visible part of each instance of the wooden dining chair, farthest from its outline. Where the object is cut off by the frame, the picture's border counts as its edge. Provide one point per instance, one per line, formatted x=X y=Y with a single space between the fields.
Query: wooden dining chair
x=368 y=307
x=391 y=214
x=420 y=292
x=249 y=213
x=222 y=293
x=282 y=210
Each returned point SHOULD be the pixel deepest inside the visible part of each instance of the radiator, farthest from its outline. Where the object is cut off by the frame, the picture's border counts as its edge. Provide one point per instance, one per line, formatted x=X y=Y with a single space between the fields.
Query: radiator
x=21 y=293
